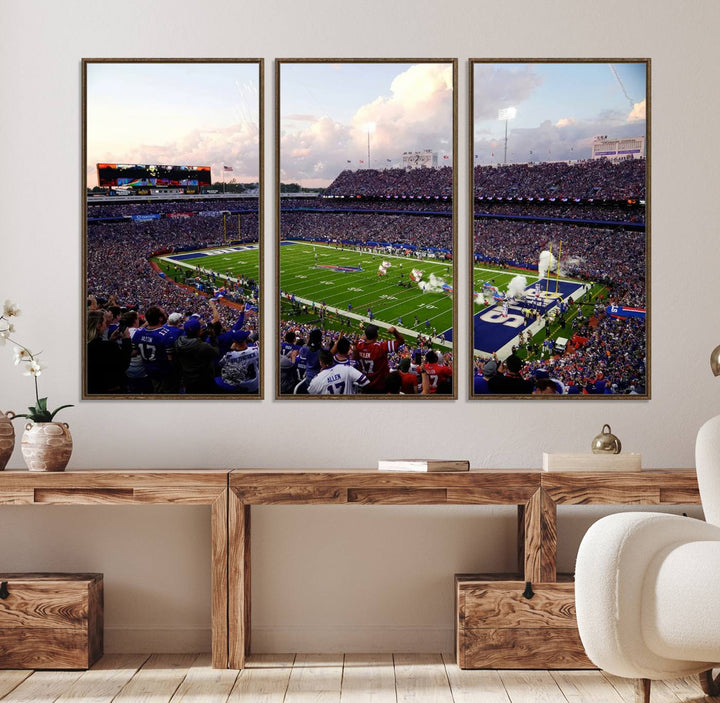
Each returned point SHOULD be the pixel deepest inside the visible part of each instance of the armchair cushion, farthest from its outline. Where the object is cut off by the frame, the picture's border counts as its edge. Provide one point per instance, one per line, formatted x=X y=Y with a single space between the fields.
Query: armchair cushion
x=632 y=620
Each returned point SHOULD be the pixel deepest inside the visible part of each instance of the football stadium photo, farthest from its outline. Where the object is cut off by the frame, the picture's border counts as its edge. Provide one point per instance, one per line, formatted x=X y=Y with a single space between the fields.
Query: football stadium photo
x=559 y=240
x=172 y=246
x=366 y=228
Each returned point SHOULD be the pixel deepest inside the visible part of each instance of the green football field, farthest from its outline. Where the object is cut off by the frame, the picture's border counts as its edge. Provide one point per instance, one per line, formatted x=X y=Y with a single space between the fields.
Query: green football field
x=306 y=271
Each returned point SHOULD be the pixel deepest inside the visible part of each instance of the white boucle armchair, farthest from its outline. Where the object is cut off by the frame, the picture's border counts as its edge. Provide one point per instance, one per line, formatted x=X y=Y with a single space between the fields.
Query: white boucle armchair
x=647 y=586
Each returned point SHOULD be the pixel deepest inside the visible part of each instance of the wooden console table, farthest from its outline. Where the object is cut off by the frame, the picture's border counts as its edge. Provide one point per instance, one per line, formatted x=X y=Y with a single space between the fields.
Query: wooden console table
x=201 y=487
x=537 y=495
x=231 y=495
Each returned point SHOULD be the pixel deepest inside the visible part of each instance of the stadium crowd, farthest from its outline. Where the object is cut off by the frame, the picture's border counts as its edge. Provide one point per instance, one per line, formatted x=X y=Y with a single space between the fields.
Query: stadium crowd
x=597 y=179
x=606 y=356
x=387 y=364
x=360 y=228
x=421 y=182
x=129 y=298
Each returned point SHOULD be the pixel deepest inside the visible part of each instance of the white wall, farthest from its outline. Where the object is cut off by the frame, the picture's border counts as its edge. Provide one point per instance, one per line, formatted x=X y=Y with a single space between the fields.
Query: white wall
x=367 y=577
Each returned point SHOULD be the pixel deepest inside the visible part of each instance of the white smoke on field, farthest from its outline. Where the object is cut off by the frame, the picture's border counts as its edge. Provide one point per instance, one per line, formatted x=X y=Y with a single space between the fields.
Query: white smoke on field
x=434 y=284
x=516 y=288
x=571 y=265
x=546 y=262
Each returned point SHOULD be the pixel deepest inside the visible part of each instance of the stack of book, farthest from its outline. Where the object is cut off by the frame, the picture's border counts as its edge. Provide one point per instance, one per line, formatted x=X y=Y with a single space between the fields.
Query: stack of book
x=423 y=465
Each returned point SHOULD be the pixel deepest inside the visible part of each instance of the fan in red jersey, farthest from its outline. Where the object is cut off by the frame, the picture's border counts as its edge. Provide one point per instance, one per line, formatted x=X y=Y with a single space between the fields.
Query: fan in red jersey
x=371 y=354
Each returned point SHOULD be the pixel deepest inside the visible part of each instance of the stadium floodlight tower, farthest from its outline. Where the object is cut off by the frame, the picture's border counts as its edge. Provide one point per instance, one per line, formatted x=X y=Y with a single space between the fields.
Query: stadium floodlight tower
x=369 y=128
x=507 y=114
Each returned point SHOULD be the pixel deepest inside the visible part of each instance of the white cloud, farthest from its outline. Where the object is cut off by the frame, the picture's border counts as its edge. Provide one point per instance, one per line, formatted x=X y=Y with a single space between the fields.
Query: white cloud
x=417 y=114
x=638 y=112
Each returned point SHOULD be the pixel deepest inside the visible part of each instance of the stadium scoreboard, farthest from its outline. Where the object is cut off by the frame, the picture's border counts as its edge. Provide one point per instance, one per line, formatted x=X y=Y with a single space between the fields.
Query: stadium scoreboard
x=419 y=159
x=114 y=175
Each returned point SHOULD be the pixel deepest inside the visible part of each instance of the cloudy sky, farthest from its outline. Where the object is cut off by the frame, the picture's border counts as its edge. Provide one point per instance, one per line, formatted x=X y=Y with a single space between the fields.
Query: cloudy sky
x=328 y=110
x=194 y=114
x=560 y=108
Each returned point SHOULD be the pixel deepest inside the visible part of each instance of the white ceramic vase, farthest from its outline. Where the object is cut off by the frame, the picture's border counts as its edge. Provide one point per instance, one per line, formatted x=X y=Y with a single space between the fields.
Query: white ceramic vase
x=46 y=446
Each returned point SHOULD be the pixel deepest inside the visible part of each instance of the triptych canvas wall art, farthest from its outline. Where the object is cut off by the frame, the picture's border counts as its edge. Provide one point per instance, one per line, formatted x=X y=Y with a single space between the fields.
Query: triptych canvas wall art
x=365 y=229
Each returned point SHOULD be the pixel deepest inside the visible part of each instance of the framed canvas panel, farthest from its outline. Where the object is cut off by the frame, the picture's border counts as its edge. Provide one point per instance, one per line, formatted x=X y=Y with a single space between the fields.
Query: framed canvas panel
x=366 y=222
x=172 y=247
x=559 y=194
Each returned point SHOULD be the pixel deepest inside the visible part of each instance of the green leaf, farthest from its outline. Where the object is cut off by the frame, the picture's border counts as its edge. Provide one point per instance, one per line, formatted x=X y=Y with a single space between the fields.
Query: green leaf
x=42 y=404
x=57 y=410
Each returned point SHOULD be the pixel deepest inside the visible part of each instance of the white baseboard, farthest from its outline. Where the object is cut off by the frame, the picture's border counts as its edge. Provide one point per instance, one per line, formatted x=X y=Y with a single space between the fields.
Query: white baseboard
x=411 y=640
x=150 y=640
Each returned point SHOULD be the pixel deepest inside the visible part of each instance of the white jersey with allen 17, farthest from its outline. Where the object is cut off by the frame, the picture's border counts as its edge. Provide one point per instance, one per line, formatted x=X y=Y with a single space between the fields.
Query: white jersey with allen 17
x=338 y=380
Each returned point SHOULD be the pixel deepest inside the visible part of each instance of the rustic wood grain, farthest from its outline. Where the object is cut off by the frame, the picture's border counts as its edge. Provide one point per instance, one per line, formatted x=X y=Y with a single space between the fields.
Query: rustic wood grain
x=17 y=497
x=490 y=495
x=502 y=604
x=186 y=487
x=391 y=496
x=47 y=648
x=89 y=479
x=632 y=488
x=288 y=495
x=540 y=538
x=219 y=580
x=46 y=603
x=83 y=496
x=522 y=648
x=238 y=581
x=51 y=621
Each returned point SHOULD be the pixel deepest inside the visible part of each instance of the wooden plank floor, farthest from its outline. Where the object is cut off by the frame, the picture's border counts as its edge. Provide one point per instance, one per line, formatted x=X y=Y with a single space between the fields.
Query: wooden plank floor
x=323 y=678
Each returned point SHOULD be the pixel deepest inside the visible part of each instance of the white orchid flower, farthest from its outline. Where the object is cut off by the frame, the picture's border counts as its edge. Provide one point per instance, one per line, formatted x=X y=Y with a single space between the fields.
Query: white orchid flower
x=10 y=309
x=33 y=368
x=22 y=355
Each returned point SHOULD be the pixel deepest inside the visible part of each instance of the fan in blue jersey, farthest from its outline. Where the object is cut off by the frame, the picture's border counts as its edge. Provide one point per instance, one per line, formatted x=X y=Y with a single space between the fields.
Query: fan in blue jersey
x=240 y=367
x=155 y=344
x=341 y=352
x=307 y=360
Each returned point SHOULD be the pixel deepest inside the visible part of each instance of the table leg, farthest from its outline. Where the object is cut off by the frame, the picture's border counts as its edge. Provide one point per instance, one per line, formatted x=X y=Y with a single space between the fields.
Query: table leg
x=219 y=614
x=537 y=538
x=238 y=581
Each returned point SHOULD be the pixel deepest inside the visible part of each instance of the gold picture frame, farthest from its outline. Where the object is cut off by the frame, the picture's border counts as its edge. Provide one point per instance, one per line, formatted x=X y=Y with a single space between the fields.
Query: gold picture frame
x=172 y=192
x=559 y=193
x=366 y=144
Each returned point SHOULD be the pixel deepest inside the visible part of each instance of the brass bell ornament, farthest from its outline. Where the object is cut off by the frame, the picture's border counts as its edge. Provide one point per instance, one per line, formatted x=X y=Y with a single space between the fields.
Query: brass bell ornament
x=606 y=442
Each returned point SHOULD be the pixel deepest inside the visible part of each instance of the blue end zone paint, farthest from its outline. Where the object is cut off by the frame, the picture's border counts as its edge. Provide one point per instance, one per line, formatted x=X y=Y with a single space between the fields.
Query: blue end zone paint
x=182 y=257
x=492 y=331
x=212 y=252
